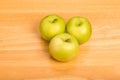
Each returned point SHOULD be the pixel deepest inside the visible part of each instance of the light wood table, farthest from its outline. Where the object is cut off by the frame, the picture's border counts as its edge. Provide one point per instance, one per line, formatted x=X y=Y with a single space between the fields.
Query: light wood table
x=25 y=56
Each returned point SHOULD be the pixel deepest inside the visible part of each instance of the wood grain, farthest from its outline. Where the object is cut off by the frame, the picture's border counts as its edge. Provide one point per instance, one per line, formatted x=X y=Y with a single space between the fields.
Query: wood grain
x=25 y=56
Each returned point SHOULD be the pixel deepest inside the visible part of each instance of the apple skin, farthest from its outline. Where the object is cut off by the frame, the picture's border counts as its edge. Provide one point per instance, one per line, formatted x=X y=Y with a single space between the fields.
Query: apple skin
x=63 y=47
x=80 y=28
x=50 y=26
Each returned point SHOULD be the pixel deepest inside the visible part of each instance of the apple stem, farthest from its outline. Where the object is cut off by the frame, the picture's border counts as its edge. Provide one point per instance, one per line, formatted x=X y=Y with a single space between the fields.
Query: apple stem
x=79 y=24
x=54 y=20
x=67 y=40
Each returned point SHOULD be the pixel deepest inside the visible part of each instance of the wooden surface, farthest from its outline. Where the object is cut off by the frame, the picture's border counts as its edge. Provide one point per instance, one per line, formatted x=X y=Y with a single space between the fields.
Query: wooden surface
x=24 y=55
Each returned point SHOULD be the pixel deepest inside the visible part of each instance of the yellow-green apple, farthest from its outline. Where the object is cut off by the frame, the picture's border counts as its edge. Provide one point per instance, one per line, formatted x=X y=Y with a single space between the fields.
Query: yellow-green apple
x=80 y=28
x=50 y=26
x=63 y=47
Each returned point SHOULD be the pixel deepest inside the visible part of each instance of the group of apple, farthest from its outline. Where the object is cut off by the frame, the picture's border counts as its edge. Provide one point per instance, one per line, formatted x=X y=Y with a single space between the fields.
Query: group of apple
x=65 y=38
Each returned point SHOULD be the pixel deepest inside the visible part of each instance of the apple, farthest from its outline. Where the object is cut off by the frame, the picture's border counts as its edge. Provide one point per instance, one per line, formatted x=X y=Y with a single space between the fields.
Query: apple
x=50 y=26
x=63 y=47
x=80 y=28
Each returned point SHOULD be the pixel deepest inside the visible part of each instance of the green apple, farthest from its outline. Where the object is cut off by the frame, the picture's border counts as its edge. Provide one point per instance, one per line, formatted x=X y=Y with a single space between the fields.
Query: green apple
x=80 y=28
x=50 y=26
x=63 y=47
